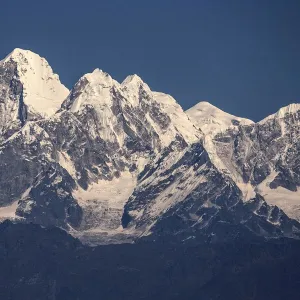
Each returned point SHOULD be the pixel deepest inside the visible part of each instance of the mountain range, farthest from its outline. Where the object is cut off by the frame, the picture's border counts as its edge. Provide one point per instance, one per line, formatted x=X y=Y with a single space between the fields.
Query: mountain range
x=114 y=162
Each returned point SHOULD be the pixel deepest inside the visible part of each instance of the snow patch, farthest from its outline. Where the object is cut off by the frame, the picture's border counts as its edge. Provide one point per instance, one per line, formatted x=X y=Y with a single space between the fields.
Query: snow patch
x=103 y=202
x=65 y=161
x=285 y=199
x=247 y=189
x=9 y=212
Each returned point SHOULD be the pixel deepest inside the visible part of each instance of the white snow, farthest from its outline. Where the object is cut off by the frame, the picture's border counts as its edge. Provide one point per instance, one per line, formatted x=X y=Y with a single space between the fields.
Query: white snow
x=247 y=189
x=176 y=192
x=289 y=109
x=211 y=119
x=179 y=119
x=65 y=161
x=97 y=94
x=131 y=86
x=8 y=212
x=103 y=202
x=43 y=92
x=287 y=200
x=104 y=190
x=97 y=90
x=28 y=207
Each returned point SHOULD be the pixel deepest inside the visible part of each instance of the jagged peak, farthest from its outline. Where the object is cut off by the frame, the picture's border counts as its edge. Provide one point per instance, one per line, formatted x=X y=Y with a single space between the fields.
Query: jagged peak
x=132 y=79
x=99 y=77
x=31 y=60
x=42 y=90
x=26 y=57
x=134 y=82
x=289 y=109
x=92 y=89
x=132 y=85
x=18 y=53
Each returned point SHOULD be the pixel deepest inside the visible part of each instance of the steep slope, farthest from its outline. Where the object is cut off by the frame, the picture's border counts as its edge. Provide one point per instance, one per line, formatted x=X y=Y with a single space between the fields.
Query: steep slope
x=119 y=159
x=77 y=168
x=185 y=195
x=263 y=157
x=125 y=126
x=29 y=90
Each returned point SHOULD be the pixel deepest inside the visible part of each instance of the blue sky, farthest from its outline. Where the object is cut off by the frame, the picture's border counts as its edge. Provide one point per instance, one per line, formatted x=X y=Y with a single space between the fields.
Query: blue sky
x=241 y=55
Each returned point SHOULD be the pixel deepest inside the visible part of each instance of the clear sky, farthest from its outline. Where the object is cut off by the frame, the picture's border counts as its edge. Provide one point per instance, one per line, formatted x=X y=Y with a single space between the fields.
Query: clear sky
x=241 y=55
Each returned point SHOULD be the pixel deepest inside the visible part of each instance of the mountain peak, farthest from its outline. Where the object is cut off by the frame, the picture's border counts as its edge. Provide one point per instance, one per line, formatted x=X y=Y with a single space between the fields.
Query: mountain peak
x=132 y=79
x=205 y=106
x=93 y=89
x=43 y=92
x=19 y=53
x=132 y=86
x=134 y=82
x=98 y=76
x=289 y=109
x=27 y=58
x=211 y=119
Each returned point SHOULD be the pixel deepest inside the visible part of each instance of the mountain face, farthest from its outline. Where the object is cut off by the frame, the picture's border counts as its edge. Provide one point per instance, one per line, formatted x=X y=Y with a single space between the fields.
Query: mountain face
x=29 y=90
x=263 y=158
x=186 y=194
x=118 y=160
x=76 y=168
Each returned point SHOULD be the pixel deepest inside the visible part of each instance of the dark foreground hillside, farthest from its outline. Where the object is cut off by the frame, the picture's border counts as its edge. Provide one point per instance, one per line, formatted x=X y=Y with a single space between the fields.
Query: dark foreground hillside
x=38 y=263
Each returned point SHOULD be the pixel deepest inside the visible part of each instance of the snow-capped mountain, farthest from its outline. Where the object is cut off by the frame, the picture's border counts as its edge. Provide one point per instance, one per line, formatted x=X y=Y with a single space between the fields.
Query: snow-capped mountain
x=94 y=146
x=262 y=157
x=29 y=90
x=112 y=159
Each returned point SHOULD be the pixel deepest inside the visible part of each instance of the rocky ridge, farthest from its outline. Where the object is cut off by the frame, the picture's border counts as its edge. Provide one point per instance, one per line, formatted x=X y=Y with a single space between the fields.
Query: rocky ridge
x=113 y=159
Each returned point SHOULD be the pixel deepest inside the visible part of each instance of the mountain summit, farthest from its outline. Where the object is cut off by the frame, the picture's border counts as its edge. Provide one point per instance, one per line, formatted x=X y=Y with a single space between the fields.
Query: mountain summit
x=29 y=90
x=212 y=119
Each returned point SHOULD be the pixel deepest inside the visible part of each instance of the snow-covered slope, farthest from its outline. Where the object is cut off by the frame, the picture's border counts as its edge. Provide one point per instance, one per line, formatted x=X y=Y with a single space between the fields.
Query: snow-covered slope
x=111 y=153
x=252 y=153
x=90 y=152
x=126 y=125
x=178 y=117
x=184 y=195
x=282 y=112
x=211 y=119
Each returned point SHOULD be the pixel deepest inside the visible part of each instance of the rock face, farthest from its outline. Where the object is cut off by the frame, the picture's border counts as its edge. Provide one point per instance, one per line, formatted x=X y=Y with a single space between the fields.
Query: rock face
x=29 y=90
x=263 y=157
x=96 y=145
x=119 y=159
x=186 y=194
